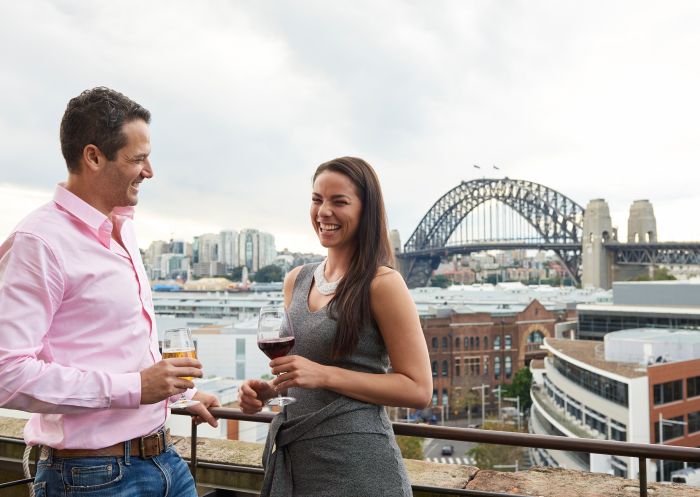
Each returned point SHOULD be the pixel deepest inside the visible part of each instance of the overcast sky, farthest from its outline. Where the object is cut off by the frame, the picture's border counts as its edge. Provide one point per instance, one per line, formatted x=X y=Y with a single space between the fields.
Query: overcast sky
x=596 y=99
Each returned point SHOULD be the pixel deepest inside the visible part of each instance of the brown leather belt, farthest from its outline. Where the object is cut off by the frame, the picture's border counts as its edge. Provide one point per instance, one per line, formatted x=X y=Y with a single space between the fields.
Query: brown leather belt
x=146 y=447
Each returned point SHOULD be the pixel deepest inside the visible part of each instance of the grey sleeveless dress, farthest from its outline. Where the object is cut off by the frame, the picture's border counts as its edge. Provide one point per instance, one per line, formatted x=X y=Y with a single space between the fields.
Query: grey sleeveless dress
x=326 y=444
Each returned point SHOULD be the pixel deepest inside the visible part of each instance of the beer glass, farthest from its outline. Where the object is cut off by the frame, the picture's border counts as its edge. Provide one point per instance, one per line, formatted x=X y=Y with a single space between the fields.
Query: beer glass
x=178 y=343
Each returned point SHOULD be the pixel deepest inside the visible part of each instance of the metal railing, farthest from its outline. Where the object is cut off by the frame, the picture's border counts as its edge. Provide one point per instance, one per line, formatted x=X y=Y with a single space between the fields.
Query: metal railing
x=640 y=451
x=610 y=447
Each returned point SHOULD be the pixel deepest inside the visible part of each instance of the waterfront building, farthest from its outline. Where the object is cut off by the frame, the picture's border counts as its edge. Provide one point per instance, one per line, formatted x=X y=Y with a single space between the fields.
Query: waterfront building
x=623 y=389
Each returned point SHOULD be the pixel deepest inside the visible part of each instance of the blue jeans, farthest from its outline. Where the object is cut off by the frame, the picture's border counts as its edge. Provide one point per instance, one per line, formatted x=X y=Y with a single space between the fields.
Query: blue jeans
x=165 y=475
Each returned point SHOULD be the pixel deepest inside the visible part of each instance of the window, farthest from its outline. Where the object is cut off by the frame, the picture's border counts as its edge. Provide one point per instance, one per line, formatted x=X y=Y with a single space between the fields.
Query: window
x=668 y=392
x=457 y=367
x=477 y=342
x=508 y=342
x=509 y=366
x=435 y=343
x=457 y=343
x=596 y=421
x=445 y=367
x=435 y=398
x=693 y=386
x=497 y=367
x=444 y=343
x=693 y=422
x=497 y=342
x=444 y=397
x=471 y=342
x=486 y=365
x=671 y=430
x=618 y=431
x=434 y=368
x=535 y=337
x=607 y=388
x=466 y=343
x=486 y=343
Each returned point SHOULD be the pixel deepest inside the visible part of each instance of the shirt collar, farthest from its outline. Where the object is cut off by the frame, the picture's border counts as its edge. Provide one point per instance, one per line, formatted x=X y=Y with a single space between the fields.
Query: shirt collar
x=90 y=216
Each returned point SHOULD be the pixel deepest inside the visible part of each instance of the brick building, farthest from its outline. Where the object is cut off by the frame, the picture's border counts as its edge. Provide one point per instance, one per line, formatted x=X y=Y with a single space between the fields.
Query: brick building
x=468 y=349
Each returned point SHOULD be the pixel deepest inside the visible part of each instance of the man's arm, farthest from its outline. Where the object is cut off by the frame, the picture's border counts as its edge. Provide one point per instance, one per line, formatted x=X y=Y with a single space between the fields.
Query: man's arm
x=31 y=291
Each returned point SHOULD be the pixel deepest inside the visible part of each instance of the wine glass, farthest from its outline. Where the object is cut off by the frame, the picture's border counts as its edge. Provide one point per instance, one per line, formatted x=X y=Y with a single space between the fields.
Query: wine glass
x=275 y=339
x=178 y=343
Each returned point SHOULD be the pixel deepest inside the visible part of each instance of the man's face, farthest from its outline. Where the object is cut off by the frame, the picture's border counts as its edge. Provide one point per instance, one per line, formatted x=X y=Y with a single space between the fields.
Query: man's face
x=121 y=178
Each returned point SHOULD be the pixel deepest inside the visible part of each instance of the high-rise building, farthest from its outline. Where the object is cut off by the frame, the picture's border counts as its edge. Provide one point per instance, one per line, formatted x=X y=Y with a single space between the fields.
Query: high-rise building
x=256 y=249
x=228 y=248
x=208 y=247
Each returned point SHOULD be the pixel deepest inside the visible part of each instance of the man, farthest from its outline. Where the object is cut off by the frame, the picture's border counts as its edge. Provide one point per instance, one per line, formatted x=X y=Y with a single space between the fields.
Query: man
x=78 y=340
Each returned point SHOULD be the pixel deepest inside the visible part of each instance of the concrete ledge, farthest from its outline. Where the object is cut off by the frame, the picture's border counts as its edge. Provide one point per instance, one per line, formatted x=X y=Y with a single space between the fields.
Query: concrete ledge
x=545 y=482
x=555 y=482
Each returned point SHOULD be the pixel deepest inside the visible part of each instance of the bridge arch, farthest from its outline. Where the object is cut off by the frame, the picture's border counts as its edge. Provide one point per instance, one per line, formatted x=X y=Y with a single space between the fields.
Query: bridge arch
x=557 y=219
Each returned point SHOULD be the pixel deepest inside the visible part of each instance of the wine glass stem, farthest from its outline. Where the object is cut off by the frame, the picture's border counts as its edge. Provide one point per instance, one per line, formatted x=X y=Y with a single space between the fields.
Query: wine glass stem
x=279 y=392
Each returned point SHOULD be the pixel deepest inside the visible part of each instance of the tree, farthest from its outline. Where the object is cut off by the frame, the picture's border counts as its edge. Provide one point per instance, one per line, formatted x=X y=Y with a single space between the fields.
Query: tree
x=269 y=274
x=237 y=273
x=462 y=397
x=440 y=280
x=520 y=387
x=411 y=447
x=660 y=274
x=486 y=456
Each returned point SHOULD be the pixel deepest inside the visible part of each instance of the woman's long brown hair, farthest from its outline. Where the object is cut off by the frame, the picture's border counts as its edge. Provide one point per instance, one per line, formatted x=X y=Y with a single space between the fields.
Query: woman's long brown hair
x=350 y=306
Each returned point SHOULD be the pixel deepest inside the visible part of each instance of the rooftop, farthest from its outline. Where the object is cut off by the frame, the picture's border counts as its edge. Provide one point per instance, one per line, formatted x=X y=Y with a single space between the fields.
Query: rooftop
x=593 y=354
x=652 y=345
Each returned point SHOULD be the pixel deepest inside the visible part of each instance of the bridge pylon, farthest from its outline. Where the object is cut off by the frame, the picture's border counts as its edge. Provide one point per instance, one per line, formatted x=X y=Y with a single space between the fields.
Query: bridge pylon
x=597 y=231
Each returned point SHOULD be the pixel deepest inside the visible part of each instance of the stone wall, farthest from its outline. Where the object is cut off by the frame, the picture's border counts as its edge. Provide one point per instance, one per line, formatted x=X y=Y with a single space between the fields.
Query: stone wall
x=545 y=482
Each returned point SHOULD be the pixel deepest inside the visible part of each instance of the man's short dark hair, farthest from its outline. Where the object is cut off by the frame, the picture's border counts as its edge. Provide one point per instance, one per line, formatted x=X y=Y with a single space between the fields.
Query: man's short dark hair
x=96 y=117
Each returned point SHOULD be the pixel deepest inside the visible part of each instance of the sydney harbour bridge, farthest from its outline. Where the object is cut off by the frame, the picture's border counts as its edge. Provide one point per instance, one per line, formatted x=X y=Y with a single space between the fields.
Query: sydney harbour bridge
x=505 y=214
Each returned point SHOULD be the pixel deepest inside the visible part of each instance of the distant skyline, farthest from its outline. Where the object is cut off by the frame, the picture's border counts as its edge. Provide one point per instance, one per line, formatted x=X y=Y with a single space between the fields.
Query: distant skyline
x=595 y=100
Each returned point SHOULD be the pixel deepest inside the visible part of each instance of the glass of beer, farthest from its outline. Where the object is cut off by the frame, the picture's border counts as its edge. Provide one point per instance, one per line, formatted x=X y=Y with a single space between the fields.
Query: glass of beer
x=178 y=343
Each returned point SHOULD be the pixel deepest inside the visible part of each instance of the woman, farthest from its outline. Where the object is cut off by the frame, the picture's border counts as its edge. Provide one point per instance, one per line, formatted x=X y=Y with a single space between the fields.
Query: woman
x=352 y=316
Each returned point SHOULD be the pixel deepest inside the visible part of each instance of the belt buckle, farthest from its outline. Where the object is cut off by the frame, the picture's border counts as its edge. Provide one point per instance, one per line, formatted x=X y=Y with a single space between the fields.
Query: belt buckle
x=142 y=446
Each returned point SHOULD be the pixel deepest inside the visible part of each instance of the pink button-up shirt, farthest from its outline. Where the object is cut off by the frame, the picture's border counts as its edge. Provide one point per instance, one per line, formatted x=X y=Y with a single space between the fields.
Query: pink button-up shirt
x=77 y=325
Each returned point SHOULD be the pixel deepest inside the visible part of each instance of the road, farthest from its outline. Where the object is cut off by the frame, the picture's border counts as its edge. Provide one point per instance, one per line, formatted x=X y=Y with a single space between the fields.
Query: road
x=432 y=451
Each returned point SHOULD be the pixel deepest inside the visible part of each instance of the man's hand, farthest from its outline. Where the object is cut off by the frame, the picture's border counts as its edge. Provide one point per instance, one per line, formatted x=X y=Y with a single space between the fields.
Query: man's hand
x=166 y=378
x=202 y=409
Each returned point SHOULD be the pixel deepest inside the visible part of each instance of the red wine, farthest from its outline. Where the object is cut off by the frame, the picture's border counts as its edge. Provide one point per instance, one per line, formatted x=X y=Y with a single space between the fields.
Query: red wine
x=276 y=347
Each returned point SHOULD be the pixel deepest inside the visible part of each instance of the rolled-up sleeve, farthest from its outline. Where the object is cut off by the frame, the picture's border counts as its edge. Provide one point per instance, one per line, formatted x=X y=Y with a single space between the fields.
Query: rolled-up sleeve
x=31 y=291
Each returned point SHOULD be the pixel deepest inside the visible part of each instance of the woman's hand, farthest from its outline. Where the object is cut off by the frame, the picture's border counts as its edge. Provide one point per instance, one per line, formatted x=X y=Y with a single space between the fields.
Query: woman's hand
x=253 y=394
x=297 y=371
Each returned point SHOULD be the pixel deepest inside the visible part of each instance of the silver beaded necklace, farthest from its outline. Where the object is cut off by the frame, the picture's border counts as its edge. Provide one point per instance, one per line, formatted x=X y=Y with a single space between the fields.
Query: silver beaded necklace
x=324 y=287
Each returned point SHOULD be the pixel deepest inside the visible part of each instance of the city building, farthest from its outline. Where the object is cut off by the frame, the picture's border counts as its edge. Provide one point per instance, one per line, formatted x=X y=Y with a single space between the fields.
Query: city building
x=228 y=249
x=649 y=304
x=256 y=249
x=622 y=389
x=206 y=248
x=472 y=348
x=198 y=309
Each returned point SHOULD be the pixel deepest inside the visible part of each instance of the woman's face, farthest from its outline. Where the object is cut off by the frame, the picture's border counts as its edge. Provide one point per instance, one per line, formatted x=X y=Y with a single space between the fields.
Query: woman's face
x=335 y=209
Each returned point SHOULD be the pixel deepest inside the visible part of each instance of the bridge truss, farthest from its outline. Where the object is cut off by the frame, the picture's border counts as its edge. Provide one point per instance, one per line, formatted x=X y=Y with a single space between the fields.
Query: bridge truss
x=486 y=214
x=669 y=253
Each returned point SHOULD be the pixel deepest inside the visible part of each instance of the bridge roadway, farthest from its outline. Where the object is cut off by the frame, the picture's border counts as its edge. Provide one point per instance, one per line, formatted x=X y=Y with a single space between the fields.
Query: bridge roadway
x=487 y=245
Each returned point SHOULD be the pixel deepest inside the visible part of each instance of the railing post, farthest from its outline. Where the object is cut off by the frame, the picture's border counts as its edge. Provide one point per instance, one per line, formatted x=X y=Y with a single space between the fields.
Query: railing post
x=642 y=477
x=193 y=450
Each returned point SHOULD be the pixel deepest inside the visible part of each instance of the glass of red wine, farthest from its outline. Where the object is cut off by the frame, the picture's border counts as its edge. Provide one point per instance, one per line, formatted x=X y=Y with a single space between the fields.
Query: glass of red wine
x=275 y=339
